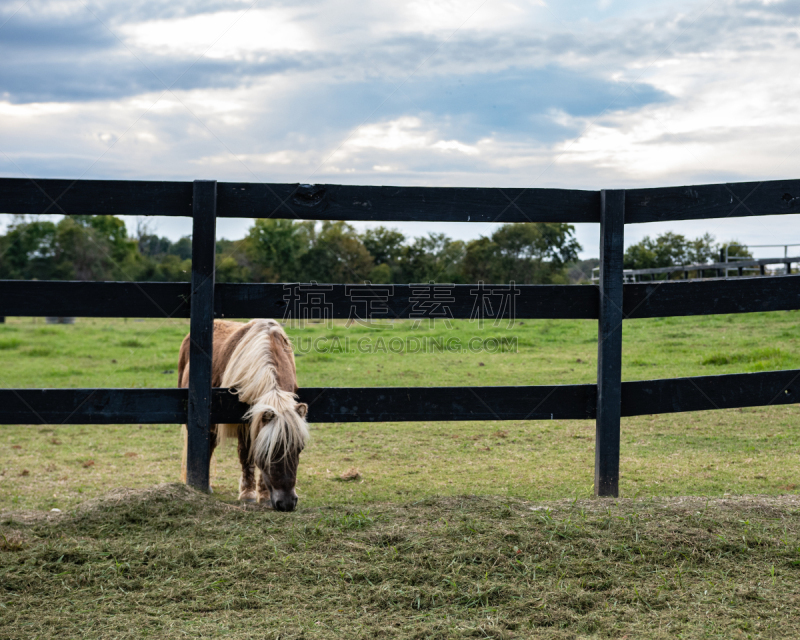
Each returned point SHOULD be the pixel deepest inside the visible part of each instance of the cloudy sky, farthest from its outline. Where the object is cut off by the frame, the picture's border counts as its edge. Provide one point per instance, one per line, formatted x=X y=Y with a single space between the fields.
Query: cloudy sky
x=507 y=93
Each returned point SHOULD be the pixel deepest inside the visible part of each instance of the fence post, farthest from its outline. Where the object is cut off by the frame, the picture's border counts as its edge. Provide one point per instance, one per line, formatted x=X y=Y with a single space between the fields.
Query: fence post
x=609 y=348
x=204 y=223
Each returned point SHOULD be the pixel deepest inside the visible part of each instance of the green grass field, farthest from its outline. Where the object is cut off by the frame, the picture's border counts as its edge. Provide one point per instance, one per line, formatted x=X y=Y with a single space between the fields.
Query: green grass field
x=743 y=451
x=427 y=541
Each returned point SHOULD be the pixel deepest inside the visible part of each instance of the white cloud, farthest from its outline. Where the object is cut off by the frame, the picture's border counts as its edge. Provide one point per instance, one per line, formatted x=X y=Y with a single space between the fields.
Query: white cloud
x=426 y=16
x=400 y=134
x=730 y=117
x=395 y=138
x=225 y=34
x=33 y=109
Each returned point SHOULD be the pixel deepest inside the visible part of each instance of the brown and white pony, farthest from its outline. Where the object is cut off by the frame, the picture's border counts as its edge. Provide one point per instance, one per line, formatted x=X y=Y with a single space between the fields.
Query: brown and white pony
x=255 y=361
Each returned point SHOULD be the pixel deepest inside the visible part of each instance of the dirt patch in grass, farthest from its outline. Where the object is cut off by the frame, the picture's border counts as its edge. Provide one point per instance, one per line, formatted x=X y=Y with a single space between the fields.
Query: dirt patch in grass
x=167 y=561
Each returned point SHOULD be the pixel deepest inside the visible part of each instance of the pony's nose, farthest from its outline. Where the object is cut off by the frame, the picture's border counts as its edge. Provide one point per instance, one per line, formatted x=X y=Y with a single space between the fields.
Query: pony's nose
x=286 y=503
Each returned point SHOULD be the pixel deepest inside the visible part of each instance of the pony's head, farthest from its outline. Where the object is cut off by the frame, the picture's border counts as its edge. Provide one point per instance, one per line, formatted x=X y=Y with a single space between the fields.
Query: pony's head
x=281 y=433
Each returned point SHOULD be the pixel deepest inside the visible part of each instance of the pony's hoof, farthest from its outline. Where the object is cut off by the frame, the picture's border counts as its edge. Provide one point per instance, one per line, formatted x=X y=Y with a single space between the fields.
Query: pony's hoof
x=248 y=496
x=263 y=498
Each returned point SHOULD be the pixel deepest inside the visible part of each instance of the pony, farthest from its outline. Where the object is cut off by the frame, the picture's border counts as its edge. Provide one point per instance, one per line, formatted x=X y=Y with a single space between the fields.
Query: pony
x=255 y=361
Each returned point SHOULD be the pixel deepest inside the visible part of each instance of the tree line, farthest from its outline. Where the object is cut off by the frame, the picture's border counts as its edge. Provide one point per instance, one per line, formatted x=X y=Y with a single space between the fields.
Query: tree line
x=278 y=250
x=672 y=249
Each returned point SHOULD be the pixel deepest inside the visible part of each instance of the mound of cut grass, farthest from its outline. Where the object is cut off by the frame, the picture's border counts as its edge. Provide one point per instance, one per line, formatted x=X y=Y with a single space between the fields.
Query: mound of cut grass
x=169 y=562
x=9 y=343
x=38 y=352
x=133 y=343
x=756 y=356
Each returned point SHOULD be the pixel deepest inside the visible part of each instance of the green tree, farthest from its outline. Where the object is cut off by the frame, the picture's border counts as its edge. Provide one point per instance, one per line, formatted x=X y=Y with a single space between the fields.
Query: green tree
x=82 y=253
x=702 y=250
x=277 y=249
x=735 y=249
x=667 y=250
x=113 y=234
x=481 y=262
x=152 y=246
x=434 y=257
x=337 y=255
x=526 y=253
x=229 y=269
x=381 y=274
x=672 y=249
x=29 y=250
x=386 y=247
x=182 y=248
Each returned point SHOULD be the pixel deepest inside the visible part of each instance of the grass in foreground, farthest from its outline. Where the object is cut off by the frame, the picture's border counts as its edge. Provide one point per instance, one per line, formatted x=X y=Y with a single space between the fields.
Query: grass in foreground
x=168 y=562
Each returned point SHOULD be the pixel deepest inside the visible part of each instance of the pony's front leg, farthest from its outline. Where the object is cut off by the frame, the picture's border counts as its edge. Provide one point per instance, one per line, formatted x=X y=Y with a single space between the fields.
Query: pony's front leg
x=247 y=483
x=263 y=489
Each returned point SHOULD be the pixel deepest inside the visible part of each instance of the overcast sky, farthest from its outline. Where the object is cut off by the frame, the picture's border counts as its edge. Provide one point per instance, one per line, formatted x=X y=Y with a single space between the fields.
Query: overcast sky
x=575 y=94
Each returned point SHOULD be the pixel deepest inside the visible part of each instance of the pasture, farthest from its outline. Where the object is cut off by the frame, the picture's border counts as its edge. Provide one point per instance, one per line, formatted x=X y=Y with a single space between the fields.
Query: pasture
x=436 y=536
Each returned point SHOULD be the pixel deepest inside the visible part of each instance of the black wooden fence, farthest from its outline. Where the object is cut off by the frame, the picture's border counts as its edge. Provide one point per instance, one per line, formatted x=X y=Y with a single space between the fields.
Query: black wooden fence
x=611 y=302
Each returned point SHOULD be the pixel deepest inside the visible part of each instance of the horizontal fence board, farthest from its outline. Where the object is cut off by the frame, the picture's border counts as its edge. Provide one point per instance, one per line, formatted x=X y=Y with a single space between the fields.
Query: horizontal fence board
x=704 y=393
x=769 y=197
x=346 y=202
x=667 y=298
x=356 y=404
x=284 y=302
x=432 y=204
x=305 y=202
x=412 y=404
x=170 y=299
x=406 y=301
x=409 y=404
x=95 y=197
x=93 y=406
x=94 y=299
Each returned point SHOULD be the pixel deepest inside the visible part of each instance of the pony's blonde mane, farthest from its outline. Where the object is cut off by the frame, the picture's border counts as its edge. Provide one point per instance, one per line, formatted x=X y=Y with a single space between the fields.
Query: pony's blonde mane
x=251 y=374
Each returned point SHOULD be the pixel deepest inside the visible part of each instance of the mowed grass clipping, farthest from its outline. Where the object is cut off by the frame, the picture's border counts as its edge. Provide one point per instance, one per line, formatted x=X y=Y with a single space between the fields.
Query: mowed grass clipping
x=169 y=562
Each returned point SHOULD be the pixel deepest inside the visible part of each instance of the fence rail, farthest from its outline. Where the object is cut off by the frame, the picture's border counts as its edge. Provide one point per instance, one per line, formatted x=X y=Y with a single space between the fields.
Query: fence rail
x=171 y=299
x=201 y=300
x=410 y=404
x=441 y=204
